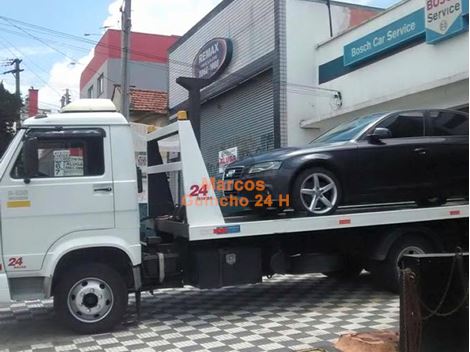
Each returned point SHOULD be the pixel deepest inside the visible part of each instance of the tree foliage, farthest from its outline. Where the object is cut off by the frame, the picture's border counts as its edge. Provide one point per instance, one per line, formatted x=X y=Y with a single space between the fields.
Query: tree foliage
x=10 y=106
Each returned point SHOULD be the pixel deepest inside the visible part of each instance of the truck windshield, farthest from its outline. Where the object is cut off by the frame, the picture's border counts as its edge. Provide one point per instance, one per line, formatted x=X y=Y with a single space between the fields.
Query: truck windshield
x=348 y=130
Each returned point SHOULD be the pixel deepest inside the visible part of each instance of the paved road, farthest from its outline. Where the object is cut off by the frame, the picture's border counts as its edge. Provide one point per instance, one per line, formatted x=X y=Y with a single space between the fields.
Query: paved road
x=285 y=313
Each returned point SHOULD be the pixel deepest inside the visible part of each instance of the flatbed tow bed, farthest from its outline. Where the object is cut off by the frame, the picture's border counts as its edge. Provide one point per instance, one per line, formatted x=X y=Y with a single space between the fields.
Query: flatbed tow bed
x=346 y=217
x=372 y=236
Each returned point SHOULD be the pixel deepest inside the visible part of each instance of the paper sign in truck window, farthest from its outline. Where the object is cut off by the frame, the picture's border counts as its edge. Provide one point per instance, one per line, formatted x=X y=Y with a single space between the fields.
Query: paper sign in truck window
x=68 y=162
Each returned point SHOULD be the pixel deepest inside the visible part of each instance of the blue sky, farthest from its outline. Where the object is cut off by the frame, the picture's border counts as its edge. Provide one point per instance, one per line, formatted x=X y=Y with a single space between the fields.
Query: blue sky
x=53 y=63
x=74 y=17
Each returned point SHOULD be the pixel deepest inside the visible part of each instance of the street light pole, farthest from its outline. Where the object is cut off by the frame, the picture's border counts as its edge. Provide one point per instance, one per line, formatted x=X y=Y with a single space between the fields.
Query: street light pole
x=125 y=44
x=16 y=72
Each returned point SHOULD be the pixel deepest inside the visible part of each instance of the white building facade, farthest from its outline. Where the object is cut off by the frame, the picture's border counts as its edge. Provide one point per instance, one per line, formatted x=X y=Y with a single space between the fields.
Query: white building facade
x=400 y=68
x=288 y=80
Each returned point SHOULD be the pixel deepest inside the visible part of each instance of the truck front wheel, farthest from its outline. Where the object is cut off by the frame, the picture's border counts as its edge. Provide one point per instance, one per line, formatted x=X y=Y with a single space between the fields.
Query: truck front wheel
x=91 y=298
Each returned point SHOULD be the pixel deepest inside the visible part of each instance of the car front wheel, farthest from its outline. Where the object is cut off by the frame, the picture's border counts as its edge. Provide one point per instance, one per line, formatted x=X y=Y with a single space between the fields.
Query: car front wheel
x=316 y=191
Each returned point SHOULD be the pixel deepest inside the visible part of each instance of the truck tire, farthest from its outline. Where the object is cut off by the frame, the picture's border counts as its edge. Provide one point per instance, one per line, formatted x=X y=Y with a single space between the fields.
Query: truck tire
x=91 y=298
x=387 y=273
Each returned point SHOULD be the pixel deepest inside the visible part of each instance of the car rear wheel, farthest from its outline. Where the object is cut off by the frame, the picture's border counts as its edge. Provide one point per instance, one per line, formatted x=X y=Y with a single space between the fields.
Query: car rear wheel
x=316 y=191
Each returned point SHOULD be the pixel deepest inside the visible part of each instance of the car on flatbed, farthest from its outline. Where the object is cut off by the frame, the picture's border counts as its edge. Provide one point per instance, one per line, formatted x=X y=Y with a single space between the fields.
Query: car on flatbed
x=412 y=155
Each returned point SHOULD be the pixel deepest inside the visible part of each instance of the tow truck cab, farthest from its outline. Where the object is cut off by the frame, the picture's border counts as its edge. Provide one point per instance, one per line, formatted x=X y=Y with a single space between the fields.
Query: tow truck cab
x=70 y=223
x=68 y=191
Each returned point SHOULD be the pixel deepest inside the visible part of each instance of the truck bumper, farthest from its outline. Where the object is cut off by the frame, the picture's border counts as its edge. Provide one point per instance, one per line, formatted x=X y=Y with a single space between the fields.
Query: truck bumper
x=4 y=289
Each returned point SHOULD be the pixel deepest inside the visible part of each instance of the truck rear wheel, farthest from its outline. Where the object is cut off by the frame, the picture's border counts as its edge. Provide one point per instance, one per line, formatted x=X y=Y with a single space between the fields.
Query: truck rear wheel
x=387 y=273
x=91 y=298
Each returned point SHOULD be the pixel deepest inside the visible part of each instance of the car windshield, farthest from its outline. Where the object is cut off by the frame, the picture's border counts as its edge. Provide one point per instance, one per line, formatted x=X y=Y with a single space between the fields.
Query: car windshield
x=347 y=131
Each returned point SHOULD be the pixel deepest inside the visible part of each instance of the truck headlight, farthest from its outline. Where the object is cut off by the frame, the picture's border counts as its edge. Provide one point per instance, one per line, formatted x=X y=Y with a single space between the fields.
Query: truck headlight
x=268 y=165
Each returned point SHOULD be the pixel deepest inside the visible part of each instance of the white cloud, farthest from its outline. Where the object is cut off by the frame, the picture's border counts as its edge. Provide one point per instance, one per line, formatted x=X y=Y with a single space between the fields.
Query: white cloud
x=162 y=17
x=64 y=74
x=150 y=16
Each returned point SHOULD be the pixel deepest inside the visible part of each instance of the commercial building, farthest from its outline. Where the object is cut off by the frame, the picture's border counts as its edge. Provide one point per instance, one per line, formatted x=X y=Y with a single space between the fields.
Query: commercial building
x=283 y=79
x=148 y=64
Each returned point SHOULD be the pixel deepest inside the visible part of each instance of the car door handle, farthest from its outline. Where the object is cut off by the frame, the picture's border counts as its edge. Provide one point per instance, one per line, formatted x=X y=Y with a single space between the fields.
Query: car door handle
x=421 y=151
x=102 y=189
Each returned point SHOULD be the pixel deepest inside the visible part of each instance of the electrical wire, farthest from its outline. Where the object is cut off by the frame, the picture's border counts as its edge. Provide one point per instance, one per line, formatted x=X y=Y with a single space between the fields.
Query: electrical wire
x=295 y=87
x=57 y=50
x=27 y=63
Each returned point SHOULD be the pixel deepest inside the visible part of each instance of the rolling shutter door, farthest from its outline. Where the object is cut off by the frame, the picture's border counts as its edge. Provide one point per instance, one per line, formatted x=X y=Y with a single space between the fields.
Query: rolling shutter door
x=242 y=118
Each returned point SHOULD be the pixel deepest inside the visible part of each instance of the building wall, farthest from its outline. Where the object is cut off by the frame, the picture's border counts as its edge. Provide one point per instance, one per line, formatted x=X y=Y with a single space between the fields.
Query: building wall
x=148 y=63
x=144 y=75
x=149 y=118
x=302 y=89
x=250 y=26
x=237 y=109
x=422 y=75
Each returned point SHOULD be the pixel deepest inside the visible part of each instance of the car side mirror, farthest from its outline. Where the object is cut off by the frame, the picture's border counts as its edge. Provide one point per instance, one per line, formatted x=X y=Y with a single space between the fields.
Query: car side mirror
x=378 y=134
x=30 y=159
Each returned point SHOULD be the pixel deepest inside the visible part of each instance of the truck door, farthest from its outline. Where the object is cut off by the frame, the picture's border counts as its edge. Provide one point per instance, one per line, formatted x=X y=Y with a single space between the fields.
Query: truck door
x=71 y=192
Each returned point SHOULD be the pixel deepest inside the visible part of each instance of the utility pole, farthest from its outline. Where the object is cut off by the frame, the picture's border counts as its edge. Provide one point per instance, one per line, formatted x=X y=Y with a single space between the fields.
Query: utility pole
x=67 y=96
x=16 y=72
x=125 y=44
x=65 y=99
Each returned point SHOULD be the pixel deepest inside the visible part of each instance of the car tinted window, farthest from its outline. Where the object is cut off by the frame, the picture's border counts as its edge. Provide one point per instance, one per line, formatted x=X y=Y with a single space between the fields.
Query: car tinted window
x=409 y=124
x=348 y=130
x=66 y=158
x=448 y=123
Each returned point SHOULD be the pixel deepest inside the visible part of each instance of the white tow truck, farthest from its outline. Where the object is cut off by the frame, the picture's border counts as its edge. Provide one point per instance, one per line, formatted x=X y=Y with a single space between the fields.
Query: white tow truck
x=70 y=226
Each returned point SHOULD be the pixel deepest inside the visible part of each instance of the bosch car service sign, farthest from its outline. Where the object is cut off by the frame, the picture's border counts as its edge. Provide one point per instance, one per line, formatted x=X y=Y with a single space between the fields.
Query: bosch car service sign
x=443 y=19
x=212 y=59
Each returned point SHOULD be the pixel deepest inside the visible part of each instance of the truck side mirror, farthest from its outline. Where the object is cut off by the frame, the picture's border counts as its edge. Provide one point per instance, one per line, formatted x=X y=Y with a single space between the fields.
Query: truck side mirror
x=140 y=186
x=378 y=134
x=30 y=159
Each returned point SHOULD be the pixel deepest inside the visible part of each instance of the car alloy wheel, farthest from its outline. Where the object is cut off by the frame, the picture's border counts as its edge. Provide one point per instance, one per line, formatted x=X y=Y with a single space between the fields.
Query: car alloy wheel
x=319 y=193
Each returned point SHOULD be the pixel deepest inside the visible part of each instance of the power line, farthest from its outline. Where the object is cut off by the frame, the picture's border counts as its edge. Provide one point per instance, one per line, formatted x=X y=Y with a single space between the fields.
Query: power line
x=53 y=48
x=297 y=88
x=32 y=71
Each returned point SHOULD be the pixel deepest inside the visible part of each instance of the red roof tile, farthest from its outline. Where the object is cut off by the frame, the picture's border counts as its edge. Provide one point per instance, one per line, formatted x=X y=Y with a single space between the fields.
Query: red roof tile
x=149 y=100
